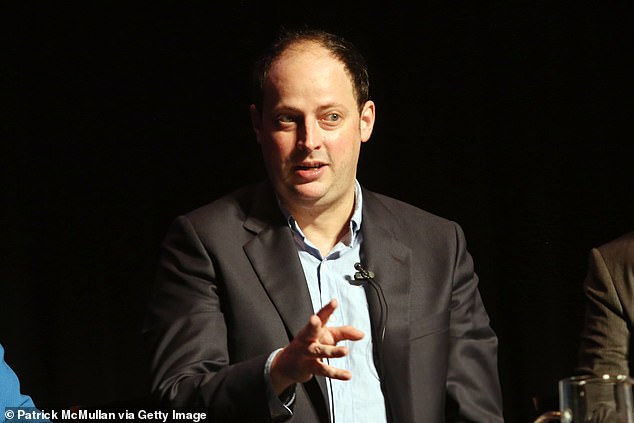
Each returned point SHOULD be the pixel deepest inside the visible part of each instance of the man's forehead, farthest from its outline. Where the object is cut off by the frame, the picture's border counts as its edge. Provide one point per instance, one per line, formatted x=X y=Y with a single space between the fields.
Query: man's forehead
x=305 y=50
x=296 y=60
x=293 y=72
x=304 y=46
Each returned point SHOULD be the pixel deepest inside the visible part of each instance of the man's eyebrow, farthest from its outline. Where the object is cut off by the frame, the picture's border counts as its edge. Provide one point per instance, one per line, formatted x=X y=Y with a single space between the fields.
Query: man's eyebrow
x=332 y=105
x=294 y=110
x=285 y=109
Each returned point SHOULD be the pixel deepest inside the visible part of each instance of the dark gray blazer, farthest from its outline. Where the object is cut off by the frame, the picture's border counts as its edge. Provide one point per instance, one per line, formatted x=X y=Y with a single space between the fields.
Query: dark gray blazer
x=606 y=339
x=230 y=289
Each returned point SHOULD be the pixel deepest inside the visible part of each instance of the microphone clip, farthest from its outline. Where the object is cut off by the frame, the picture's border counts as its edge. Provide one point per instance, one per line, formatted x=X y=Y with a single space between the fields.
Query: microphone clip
x=363 y=273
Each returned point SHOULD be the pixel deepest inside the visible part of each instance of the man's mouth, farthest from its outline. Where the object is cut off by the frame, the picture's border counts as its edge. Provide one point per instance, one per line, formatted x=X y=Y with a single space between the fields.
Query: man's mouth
x=309 y=166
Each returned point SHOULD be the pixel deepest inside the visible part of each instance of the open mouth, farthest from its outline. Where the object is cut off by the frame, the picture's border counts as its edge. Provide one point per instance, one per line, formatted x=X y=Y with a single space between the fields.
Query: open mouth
x=308 y=172
x=312 y=166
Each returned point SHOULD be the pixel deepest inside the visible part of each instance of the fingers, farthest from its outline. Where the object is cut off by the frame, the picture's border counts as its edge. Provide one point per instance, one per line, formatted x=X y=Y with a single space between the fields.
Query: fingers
x=331 y=372
x=326 y=311
x=318 y=351
x=349 y=333
x=312 y=331
x=316 y=329
x=316 y=323
x=305 y=356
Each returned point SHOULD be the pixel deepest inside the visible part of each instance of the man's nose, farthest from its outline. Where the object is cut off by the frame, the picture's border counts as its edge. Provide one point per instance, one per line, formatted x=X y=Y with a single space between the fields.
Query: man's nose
x=309 y=137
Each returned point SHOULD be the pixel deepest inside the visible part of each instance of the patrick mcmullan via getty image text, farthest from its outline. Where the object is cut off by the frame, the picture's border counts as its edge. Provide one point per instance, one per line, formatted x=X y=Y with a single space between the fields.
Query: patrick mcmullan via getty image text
x=23 y=414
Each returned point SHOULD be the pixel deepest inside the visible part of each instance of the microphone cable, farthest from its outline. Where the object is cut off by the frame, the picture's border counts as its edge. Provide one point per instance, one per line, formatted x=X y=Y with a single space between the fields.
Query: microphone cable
x=364 y=274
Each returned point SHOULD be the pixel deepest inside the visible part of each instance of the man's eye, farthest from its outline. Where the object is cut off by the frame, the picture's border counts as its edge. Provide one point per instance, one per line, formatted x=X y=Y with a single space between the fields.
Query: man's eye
x=332 y=117
x=285 y=119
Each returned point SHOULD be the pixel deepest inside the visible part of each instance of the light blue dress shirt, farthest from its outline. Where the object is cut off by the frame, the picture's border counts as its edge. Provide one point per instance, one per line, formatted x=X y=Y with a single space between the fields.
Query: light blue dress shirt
x=359 y=399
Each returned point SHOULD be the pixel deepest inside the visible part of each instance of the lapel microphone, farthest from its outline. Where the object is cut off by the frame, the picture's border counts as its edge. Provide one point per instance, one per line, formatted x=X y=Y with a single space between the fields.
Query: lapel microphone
x=364 y=274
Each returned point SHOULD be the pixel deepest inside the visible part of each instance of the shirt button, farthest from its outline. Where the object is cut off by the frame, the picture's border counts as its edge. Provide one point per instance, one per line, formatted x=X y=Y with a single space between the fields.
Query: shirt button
x=333 y=318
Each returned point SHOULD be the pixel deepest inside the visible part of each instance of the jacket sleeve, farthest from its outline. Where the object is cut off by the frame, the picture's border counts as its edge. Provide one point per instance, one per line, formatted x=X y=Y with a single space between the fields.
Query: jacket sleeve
x=186 y=335
x=605 y=339
x=473 y=389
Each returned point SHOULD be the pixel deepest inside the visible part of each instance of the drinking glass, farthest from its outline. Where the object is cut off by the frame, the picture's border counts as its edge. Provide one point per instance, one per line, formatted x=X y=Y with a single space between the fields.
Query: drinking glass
x=590 y=399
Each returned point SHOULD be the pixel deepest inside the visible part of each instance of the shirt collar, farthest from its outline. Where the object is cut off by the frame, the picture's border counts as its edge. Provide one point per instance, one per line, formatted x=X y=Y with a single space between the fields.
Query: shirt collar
x=355 y=220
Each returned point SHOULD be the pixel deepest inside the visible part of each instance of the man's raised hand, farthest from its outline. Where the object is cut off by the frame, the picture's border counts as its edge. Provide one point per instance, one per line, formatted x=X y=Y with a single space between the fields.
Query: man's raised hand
x=302 y=358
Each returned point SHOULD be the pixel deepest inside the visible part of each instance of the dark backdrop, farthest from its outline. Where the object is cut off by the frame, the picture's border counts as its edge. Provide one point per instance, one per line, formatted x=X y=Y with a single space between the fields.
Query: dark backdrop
x=512 y=118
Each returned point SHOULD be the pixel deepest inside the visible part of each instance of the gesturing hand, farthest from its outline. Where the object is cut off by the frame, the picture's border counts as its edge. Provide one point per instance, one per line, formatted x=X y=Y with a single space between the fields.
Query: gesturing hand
x=302 y=358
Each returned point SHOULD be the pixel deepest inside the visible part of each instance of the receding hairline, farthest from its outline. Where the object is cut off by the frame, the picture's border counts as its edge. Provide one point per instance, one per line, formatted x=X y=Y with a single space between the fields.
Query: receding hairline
x=310 y=47
x=341 y=50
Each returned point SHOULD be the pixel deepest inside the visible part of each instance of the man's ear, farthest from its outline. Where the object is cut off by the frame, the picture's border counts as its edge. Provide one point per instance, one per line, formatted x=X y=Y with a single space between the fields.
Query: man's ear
x=367 y=120
x=256 y=122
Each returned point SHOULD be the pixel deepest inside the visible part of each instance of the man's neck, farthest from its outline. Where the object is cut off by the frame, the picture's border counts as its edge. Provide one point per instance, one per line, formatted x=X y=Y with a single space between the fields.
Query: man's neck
x=325 y=227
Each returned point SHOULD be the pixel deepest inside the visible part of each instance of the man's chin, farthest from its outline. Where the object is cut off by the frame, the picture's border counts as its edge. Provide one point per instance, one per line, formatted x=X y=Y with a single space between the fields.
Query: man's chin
x=309 y=196
x=305 y=195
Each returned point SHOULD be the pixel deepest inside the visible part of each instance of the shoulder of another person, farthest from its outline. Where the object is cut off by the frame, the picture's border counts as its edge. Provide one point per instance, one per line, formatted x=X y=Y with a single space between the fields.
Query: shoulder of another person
x=620 y=249
x=624 y=240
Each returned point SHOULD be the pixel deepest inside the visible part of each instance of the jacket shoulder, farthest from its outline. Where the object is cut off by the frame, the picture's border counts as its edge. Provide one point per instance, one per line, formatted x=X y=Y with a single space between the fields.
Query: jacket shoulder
x=619 y=251
x=411 y=225
x=405 y=214
x=235 y=204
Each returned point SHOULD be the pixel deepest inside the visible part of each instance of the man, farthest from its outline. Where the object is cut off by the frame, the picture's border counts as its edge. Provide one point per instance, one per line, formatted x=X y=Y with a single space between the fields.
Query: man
x=308 y=298
x=606 y=340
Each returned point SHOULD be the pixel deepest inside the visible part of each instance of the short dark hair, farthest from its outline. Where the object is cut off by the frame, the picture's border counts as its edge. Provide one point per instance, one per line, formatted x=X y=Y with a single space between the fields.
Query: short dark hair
x=352 y=59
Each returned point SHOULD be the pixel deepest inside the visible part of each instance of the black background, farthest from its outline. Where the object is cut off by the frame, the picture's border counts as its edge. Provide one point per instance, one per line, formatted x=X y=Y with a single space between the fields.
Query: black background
x=512 y=118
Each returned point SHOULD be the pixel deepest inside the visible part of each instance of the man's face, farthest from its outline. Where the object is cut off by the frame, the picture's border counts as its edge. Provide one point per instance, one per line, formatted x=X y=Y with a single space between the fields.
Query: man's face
x=310 y=128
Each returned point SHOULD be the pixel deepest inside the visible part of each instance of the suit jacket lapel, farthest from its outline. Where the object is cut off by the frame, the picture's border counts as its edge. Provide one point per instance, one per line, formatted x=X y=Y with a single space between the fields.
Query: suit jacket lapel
x=389 y=259
x=274 y=257
x=273 y=254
